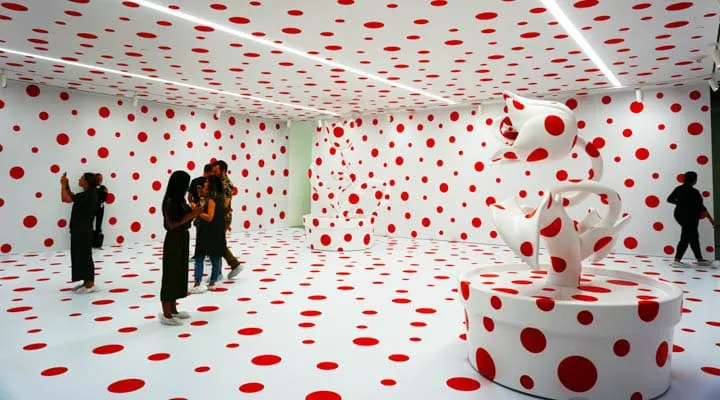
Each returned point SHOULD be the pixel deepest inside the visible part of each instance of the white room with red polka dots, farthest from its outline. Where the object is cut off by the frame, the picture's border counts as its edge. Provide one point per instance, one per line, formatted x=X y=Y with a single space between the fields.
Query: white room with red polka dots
x=394 y=167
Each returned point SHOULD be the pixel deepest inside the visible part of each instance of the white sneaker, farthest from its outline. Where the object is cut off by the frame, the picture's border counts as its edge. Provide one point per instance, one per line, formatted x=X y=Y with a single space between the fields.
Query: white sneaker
x=235 y=271
x=198 y=289
x=181 y=315
x=75 y=288
x=86 y=290
x=169 y=321
x=680 y=264
x=704 y=263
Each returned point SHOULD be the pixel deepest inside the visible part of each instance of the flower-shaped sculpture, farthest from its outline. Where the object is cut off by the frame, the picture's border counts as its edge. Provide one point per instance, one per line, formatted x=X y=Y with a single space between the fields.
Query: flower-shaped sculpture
x=526 y=320
x=349 y=221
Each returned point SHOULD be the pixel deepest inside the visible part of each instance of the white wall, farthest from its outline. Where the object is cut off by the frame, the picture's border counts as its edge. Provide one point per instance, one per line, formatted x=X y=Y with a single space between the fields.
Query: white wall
x=144 y=145
x=451 y=149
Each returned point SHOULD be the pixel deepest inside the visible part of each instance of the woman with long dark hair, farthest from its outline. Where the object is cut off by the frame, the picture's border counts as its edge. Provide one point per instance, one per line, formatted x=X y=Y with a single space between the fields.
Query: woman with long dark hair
x=689 y=209
x=177 y=216
x=211 y=233
x=81 y=232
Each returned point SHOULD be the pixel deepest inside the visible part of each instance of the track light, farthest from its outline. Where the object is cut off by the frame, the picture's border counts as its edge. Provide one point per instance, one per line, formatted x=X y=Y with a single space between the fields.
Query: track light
x=3 y=80
x=288 y=123
x=638 y=95
x=218 y=113
x=135 y=100
x=714 y=84
x=480 y=109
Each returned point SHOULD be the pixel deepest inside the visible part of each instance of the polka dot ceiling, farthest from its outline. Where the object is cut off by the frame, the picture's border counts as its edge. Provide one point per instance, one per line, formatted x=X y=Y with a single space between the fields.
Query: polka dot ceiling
x=441 y=51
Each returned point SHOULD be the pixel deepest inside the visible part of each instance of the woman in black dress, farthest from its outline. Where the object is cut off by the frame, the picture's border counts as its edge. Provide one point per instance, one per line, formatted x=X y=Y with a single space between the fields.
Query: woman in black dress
x=81 y=233
x=211 y=233
x=689 y=209
x=177 y=216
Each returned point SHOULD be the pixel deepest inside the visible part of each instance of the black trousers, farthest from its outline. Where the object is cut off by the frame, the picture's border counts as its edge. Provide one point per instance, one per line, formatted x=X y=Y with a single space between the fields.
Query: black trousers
x=688 y=236
x=99 y=213
x=83 y=267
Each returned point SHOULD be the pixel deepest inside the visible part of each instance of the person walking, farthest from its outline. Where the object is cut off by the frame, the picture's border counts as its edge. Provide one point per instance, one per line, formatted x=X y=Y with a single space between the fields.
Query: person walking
x=220 y=169
x=689 y=209
x=81 y=231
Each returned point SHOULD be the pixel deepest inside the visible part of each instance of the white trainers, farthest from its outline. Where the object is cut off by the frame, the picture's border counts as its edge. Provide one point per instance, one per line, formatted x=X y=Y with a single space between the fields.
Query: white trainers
x=169 y=321
x=75 y=288
x=704 y=263
x=181 y=315
x=86 y=290
x=680 y=264
x=198 y=289
x=235 y=271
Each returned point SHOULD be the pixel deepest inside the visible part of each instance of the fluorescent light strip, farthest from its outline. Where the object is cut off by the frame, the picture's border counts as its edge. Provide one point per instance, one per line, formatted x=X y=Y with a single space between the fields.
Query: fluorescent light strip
x=563 y=19
x=268 y=43
x=160 y=80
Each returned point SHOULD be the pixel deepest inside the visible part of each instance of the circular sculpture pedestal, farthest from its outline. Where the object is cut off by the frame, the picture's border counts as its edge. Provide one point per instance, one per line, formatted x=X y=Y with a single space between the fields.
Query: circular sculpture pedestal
x=338 y=233
x=611 y=337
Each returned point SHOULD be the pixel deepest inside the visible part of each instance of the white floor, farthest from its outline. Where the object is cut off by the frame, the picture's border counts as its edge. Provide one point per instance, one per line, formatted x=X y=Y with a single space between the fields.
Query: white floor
x=296 y=324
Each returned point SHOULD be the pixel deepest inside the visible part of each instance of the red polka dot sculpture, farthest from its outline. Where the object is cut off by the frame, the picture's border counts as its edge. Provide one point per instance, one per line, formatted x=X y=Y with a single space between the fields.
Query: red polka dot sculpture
x=562 y=331
x=348 y=224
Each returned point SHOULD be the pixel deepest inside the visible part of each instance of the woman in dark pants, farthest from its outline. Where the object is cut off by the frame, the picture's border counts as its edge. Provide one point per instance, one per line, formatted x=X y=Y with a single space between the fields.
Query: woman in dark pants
x=177 y=216
x=211 y=234
x=81 y=232
x=689 y=209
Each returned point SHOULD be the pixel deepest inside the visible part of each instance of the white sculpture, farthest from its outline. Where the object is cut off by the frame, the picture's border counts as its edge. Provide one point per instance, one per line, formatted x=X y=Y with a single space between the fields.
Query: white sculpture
x=354 y=204
x=562 y=331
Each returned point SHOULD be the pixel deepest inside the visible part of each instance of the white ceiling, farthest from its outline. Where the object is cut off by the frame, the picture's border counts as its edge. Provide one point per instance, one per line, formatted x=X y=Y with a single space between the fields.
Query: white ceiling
x=462 y=50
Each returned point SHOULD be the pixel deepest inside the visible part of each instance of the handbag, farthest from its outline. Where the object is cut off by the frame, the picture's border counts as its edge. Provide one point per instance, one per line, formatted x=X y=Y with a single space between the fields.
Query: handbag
x=98 y=238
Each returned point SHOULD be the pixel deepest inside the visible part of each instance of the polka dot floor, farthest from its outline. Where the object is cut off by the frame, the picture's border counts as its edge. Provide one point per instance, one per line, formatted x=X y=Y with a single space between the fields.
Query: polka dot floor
x=384 y=323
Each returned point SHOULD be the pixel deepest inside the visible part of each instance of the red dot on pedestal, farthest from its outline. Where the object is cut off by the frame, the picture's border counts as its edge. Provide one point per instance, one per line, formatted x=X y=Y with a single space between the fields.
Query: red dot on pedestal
x=533 y=340
x=577 y=374
x=585 y=317
x=662 y=354
x=621 y=348
x=527 y=382
x=485 y=363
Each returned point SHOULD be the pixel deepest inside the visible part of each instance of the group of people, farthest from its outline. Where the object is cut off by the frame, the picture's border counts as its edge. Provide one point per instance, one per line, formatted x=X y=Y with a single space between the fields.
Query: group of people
x=208 y=205
x=87 y=205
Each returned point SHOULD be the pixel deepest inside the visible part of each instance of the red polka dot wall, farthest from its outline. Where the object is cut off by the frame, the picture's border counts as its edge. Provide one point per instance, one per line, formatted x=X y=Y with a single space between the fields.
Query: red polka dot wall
x=47 y=131
x=442 y=181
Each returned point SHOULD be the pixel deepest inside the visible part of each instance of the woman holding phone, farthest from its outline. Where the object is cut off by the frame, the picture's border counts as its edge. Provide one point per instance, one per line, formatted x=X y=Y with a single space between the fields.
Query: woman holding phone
x=211 y=233
x=81 y=231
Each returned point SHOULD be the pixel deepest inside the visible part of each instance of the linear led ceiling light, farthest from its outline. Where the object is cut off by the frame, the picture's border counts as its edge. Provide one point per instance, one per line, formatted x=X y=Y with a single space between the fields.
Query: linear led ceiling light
x=570 y=28
x=287 y=49
x=160 y=80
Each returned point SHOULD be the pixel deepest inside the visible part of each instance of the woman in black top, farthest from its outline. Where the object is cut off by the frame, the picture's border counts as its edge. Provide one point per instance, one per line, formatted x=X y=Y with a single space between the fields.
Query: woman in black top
x=177 y=216
x=689 y=209
x=81 y=233
x=211 y=233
